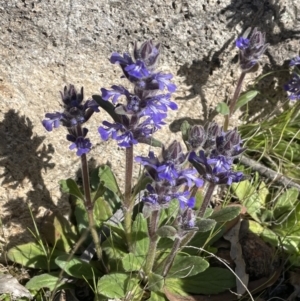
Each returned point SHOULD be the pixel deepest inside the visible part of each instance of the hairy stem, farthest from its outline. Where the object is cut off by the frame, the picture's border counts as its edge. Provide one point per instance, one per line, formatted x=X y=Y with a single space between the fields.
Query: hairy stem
x=171 y=257
x=87 y=198
x=234 y=100
x=128 y=203
x=152 y=229
x=89 y=205
x=209 y=191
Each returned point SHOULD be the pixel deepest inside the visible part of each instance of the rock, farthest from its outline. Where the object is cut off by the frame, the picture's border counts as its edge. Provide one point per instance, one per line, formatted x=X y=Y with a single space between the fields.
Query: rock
x=47 y=44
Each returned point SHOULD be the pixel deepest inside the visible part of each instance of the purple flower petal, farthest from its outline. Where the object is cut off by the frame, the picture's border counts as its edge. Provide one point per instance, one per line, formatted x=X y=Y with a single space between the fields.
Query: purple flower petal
x=295 y=61
x=52 y=121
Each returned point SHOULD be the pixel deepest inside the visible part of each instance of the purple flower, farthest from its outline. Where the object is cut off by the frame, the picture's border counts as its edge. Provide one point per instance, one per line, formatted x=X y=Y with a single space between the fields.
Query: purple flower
x=163 y=81
x=144 y=109
x=295 y=61
x=293 y=87
x=217 y=170
x=184 y=199
x=115 y=93
x=170 y=169
x=52 y=121
x=190 y=177
x=110 y=130
x=124 y=60
x=251 y=49
x=75 y=111
x=228 y=144
x=126 y=139
x=242 y=43
x=158 y=195
x=137 y=70
x=187 y=219
x=82 y=144
x=148 y=53
x=196 y=137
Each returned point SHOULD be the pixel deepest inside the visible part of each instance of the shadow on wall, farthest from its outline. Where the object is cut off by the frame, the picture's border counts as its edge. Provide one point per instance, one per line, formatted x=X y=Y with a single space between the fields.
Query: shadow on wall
x=22 y=162
x=268 y=16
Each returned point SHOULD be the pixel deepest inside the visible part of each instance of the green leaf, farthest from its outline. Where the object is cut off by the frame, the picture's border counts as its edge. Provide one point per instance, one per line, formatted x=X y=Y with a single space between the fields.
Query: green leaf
x=169 y=213
x=222 y=108
x=108 y=179
x=286 y=202
x=205 y=225
x=132 y=262
x=140 y=235
x=151 y=141
x=199 y=199
x=31 y=255
x=166 y=231
x=250 y=198
x=49 y=281
x=226 y=214
x=118 y=285
x=289 y=230
x=211 y=281
x=102 y=210
x=155 y=282
x=243 y=189
x=64 y=234
x=141 y=185
x=185 y=128
x=108 y=107
x=265 y=233
x=245 y=98
x=115 y=247
x=69 y=186
x=186 y=266
x=76 y=267
x=81 y=216
x=157 y=296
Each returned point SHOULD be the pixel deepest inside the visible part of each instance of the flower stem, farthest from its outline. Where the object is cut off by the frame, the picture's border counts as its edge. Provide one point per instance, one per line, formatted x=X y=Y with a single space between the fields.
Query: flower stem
x=87 y=198
x=171 y=257
x=234 y=99
x=209 y=191
x=89 y=205
x=152 y=229
x=128 y=203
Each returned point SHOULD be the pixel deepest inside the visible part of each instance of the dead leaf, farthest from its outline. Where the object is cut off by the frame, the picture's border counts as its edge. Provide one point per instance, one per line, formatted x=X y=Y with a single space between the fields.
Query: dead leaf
x=10 y=285
x=237 y=256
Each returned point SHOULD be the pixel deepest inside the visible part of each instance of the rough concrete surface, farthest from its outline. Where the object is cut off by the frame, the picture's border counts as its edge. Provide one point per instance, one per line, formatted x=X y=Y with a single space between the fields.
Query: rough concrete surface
x=45 y=44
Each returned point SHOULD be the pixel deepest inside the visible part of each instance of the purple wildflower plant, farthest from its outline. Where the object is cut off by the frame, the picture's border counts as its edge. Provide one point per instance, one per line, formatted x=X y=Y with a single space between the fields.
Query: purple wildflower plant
x=215 y=159
x=168 y=176
x=75 y=113
x=251 y=49
x=145 y=108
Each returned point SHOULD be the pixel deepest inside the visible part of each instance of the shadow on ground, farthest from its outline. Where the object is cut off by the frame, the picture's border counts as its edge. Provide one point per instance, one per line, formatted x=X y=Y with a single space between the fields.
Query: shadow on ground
x=267 y=16
x=22 y=159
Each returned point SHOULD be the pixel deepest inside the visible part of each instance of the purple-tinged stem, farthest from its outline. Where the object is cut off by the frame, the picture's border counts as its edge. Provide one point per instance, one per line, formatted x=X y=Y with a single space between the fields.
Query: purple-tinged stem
x=209 y=192
x=87 y=198
x=128 y=203
x=171 y=257
x=234 y=99
x=152 y=229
